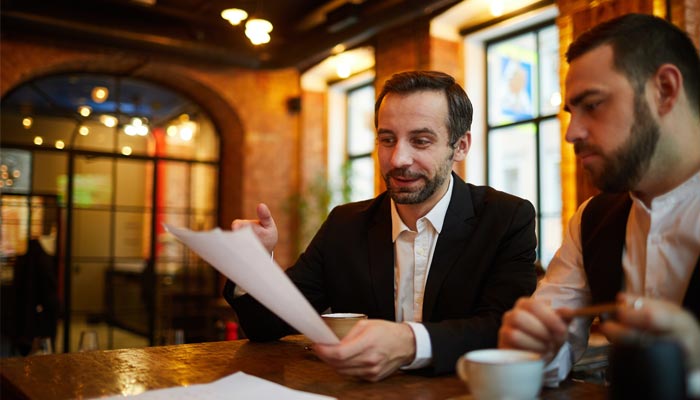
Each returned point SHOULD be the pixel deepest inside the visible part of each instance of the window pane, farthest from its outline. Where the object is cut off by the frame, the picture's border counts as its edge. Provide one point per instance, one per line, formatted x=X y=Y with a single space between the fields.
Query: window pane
x=15 y=171
x=361 y=179
x=512 y=75
x=550 y=99
x=550 y=183
x=203 y=187
x=513 y=161
x=48 y=170
x=130 y=142
x=134 y=183
x=361 y=120
x=14 y=226
x=91 y=233
x=87 y=290
x=173 y=191
x=95 y=136
x=92 y=185
x=132 y=235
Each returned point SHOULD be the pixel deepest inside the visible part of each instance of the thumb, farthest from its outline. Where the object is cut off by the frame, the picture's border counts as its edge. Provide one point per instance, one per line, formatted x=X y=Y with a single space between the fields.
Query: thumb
x=265 y=216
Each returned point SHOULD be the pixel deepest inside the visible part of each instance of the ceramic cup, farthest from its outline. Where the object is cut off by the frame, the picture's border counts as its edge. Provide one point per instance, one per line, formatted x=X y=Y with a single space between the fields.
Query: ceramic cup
x=501 y=374
x=341 y=323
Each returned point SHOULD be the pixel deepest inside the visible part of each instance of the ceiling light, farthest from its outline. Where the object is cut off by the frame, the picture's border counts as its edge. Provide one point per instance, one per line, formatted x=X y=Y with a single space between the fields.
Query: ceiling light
x=38 y=140
x=99 y=94
x=27 y=122
x=83 y=130
x=258 y=30
x=343 y=70
x=234 y=15
x=60 y=144
x=496 y=8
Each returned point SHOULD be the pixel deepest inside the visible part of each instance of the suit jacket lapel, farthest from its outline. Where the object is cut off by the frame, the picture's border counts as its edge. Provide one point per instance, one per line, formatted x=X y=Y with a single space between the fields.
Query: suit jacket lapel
x=451 y=242
x=381 y=259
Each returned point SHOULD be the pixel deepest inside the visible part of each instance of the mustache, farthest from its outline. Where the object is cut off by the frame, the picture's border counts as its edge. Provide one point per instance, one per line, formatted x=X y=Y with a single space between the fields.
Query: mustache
x=404 y=173
x=583 y=147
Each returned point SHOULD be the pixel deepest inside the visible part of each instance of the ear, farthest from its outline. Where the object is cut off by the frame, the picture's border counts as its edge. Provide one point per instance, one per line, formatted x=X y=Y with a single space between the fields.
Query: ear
x=667 y=85
x=462 y=147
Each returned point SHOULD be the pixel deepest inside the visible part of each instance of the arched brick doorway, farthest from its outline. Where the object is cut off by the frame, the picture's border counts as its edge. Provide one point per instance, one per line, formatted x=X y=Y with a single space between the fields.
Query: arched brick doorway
x=223 y=119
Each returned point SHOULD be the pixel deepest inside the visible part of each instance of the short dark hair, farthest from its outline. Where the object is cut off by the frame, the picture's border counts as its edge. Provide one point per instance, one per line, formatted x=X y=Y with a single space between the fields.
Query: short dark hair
x=460 y=111
x=641 y=43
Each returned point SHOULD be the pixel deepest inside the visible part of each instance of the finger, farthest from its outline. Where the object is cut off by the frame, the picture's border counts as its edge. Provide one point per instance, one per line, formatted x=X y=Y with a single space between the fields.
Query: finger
x=265 y=216
x=239 y=223
x=546 y=316
x=516 y=339
x=372 y=374
x=616 y=332
x=526 y=322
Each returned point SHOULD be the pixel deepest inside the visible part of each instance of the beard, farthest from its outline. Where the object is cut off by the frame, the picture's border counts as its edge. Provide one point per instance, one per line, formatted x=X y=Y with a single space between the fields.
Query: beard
x=622 y=170
x=416 y=196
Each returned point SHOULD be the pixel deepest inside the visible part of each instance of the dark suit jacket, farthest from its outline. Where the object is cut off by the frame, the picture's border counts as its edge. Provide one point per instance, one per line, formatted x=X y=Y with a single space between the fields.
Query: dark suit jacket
x=483 y=261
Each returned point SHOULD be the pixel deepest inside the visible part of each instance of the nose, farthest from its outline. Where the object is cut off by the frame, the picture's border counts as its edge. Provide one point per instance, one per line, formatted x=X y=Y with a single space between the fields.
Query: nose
x=402 y=155
x=576 y=130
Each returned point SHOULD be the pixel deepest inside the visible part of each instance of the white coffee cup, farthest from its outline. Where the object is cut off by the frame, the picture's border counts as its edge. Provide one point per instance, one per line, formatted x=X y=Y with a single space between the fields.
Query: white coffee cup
x=341 y=323
x=502 y=374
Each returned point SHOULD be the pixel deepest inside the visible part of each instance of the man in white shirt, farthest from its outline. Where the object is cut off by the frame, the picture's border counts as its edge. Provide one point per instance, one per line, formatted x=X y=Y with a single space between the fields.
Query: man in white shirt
x=433 y=261
x=633 y=92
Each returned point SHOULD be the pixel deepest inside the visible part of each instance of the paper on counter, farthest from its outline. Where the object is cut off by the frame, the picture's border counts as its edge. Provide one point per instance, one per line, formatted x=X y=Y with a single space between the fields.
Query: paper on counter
x=236 y=386
x=241 y=257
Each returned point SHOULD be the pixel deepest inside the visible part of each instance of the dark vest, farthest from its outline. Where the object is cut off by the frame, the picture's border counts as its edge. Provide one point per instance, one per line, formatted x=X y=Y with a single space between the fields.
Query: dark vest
x=603 y=226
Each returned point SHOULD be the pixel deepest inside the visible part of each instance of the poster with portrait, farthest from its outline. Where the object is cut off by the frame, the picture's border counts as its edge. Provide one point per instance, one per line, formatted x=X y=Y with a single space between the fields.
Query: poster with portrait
x=512 y=81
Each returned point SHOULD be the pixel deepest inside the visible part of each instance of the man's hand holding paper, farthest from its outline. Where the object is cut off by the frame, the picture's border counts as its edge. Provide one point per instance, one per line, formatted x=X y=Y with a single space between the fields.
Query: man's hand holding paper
x=241 y=257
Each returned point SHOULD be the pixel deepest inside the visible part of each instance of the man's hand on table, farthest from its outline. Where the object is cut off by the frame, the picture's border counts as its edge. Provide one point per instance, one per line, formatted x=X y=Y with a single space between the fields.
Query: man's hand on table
x=372 y=350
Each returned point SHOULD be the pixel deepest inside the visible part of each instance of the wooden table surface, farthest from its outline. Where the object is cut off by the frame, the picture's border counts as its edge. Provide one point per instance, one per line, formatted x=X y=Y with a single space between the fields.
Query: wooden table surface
x=287 y=362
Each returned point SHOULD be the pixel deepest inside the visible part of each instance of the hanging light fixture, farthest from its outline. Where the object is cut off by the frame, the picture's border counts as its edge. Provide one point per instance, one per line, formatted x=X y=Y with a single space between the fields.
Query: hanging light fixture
x=234 y=15
x=256 y=29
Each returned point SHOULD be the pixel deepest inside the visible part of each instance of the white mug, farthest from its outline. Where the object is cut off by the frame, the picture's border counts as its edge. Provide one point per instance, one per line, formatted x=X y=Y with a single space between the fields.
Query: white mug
x=502 y=374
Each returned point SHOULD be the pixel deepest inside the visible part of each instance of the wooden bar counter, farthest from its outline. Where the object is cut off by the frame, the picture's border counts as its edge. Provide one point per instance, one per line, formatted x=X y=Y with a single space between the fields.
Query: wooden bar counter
x=287 y=362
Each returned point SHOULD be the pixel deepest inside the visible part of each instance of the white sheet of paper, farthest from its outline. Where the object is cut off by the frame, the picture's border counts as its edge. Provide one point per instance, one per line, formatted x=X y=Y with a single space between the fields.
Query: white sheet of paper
x=236 y=386
x=241 y=257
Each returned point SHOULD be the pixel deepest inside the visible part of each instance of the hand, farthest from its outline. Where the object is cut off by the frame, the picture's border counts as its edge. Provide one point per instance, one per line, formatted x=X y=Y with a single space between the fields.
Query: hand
x=264 y=227
x=372 y=350
x=533 y=325
x=657 y=317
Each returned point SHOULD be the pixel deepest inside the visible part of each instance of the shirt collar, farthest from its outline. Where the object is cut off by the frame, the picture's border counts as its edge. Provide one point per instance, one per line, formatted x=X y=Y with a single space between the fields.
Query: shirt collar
x=436 y=216
x=686 y=190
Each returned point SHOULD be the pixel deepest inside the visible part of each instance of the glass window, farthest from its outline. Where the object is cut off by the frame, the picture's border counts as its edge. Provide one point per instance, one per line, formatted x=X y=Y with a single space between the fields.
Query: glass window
x=360 y=143
x=523 y=131
x=81 y=152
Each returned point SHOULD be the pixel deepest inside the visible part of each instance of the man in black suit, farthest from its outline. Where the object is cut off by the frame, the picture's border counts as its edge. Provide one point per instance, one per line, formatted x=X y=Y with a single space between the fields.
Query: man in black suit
x=433 y=261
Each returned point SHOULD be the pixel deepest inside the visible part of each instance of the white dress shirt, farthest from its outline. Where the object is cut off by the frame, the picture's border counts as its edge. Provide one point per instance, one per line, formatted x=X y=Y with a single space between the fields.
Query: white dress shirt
x=413 y=253
x=662 y=245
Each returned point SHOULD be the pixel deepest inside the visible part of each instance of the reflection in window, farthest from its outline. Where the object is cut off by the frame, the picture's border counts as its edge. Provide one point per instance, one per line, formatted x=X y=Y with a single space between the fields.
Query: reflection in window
x=523 y=131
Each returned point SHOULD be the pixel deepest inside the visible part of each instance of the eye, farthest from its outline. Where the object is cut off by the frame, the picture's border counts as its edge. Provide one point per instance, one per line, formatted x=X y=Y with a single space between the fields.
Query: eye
x=386 y=141
x=592 y=105
x=421 y=142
